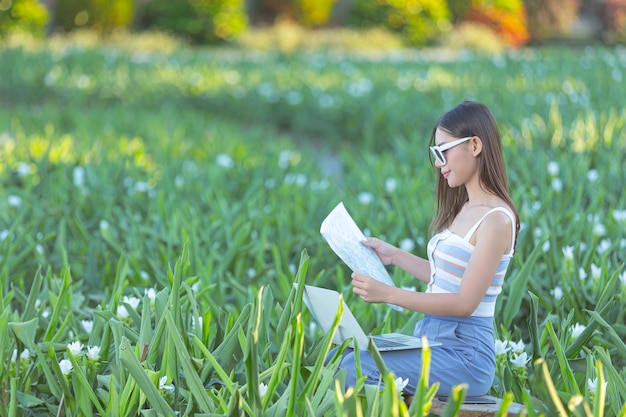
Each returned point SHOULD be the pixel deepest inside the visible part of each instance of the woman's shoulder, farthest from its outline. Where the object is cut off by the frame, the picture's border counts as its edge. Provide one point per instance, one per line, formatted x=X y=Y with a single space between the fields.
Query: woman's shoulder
x=498 y=224
x=500 y=216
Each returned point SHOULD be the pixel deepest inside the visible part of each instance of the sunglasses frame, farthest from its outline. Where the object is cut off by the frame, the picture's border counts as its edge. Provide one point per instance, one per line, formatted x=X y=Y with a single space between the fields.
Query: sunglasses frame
x=438 y=151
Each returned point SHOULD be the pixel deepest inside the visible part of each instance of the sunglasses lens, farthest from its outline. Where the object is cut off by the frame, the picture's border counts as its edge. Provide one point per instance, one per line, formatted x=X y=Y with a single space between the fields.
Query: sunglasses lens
x=439 y=156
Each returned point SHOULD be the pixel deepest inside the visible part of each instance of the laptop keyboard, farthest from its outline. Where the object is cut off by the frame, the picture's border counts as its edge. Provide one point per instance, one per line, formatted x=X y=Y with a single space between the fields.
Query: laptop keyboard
x=385 y=343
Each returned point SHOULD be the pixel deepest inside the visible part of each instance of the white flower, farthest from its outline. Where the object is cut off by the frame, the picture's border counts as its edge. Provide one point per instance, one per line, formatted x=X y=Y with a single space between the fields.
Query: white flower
x=144 y=275
x=502 y=347
x=400 y=383
x=225 y=161
x=284 y=159
x=619 y=215
x=87 y=325
x=4 y=234
x=622 y=277
x=517 y=347
x=520 y=361
x=251 y=272
x=365 y=197
x=592 y=175
x=24 y=355
x=407 y=244
x=568 y=252
x=326 y=101
x=557 y=292
x=151 y=293
x=596 y=271
x=553 y=168
x=557 y=184
x=75 y=348
x=15 y=200
x=93 y=353
x=546 y=246
x=592 y=384
x=104 y=225
x=262 y=389
x=391 y=184
x=298 y=179
x=603 y=246
x=132 y=301
x=23 y=169
x=163 y=385
x=78 y=176
x=599 y=229
x=66 y=366
x=141 y=187
x=577 y=329
x=320 y=185
x=582 y=274
x=293 y=97
x=122 y=312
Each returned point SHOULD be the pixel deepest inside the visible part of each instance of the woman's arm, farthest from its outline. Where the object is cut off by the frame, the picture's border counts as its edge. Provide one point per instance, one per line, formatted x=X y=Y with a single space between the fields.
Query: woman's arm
x=492 y=241
x=391 y=255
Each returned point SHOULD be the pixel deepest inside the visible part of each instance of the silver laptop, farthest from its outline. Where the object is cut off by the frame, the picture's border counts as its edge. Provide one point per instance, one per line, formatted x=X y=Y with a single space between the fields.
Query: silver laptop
x=323 y=304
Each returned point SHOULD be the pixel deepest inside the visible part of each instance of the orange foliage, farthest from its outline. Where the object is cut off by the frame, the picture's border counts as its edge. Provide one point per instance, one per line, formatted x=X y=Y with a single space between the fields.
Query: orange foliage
x=511 y=26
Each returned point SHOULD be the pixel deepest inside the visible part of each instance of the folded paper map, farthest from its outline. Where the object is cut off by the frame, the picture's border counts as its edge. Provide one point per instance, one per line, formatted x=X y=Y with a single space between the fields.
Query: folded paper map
x=344 y=237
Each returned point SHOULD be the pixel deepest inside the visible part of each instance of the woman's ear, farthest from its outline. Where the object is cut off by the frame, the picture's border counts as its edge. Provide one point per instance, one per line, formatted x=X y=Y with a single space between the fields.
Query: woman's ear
x=477 y=145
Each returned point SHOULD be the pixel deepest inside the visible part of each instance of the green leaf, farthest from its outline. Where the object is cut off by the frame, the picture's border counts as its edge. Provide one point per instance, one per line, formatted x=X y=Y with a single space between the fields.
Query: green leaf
x=565 y=371
x=191 y=376
x=518 y=286
x=547 y=382
x=298 y=343
x=85 y=396
x=130 y=361
x=615 y=338
x=25 y=332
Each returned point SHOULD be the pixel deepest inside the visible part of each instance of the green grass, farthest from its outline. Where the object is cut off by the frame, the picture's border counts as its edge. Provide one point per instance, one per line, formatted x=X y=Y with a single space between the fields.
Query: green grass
x=168 y=199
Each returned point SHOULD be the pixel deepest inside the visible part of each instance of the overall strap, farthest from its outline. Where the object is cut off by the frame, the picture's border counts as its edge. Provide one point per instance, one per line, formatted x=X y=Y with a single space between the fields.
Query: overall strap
x=469 y=234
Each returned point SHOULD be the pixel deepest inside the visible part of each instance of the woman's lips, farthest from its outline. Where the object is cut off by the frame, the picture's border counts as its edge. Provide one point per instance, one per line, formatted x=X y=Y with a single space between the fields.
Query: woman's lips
x=445 y=173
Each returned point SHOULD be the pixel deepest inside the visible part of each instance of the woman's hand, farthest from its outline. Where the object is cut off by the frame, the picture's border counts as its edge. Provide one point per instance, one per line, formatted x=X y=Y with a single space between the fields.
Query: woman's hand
x=369 y=289
x=384 y=250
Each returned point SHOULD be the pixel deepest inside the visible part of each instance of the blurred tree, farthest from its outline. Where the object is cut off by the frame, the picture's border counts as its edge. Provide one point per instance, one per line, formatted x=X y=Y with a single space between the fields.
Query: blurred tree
x=613 y=15
x=548 y=19
x=311 y=13
x=101 y=15
x=23 y=15
x=458 y=9
x=506 y=17
x=202 y=21
x=419 y=21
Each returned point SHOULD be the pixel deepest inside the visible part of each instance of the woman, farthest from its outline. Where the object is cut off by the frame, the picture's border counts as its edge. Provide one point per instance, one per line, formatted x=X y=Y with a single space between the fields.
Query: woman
x=475 y=230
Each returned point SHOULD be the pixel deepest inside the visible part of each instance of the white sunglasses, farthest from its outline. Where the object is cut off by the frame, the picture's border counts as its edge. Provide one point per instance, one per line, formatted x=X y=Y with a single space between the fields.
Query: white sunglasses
x=438 y=151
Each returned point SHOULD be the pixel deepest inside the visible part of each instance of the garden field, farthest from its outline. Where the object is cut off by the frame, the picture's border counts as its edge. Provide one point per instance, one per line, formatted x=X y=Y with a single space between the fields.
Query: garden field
x=157 y=203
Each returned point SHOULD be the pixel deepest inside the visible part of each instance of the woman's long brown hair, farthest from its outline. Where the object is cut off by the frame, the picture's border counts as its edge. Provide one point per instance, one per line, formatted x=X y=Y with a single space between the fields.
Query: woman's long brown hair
x=471 y=118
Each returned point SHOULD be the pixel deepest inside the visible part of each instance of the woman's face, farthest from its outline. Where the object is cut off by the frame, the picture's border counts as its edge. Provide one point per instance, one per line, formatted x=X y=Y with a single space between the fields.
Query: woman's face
x=460 y=164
